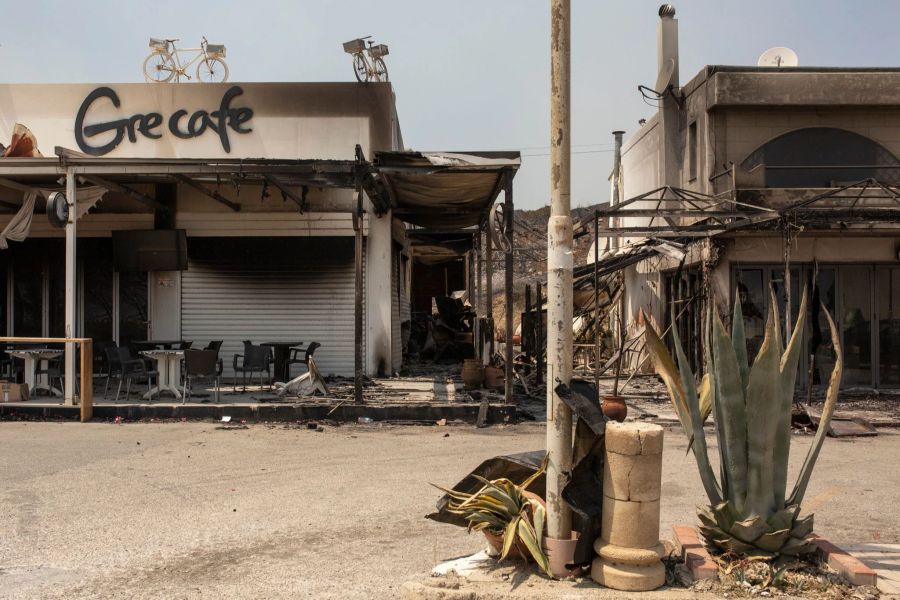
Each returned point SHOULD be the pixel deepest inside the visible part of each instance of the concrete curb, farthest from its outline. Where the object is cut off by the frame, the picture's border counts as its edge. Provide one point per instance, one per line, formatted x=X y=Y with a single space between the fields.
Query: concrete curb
x=425 y=413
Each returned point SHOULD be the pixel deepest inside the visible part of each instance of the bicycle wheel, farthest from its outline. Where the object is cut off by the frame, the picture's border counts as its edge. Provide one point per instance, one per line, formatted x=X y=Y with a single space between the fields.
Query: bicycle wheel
x=159 y=67
x=380 y=70
x=360 y=68
x=212 y=70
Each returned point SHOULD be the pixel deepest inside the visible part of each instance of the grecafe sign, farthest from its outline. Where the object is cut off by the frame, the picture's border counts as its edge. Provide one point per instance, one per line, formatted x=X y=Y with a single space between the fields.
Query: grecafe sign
x=181 y=123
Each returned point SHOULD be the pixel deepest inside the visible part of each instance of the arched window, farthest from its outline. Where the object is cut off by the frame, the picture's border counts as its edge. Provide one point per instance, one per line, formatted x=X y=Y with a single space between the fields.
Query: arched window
x=822 y=157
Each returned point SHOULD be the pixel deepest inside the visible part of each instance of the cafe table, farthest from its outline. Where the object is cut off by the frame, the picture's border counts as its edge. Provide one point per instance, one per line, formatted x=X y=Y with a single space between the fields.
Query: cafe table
x=282 y=353
x=32 y=358
x=161 y=344
x=168 y=365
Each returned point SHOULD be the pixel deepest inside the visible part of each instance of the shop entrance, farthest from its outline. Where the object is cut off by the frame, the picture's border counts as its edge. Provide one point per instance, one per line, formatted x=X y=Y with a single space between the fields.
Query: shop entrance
x=865 y=303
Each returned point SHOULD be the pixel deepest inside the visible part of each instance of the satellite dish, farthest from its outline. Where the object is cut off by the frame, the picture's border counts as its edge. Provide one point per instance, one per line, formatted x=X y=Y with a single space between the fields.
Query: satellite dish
x=57 y=209
x=778 y=57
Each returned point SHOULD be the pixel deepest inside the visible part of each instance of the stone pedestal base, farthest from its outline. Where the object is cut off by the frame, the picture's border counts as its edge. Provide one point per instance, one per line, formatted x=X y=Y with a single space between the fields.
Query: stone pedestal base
x=628 y=578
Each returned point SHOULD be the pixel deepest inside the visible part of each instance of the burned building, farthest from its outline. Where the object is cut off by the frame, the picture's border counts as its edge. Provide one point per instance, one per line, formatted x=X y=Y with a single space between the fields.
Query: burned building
x=759 y=171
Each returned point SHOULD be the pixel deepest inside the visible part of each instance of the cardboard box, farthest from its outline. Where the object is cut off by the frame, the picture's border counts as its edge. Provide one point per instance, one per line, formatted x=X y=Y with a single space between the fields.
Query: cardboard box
x=13 y=392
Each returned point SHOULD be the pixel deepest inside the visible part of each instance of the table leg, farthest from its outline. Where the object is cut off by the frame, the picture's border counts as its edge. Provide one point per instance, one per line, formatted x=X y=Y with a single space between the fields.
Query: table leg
x=28 y=376
x=174 y=368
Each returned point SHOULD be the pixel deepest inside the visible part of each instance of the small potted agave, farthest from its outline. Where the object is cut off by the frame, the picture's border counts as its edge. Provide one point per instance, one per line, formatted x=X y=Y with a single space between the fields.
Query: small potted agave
x=510 y=517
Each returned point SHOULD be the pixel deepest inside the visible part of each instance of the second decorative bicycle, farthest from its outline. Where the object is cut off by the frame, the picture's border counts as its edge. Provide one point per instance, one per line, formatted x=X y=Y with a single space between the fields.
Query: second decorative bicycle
x=164 y=62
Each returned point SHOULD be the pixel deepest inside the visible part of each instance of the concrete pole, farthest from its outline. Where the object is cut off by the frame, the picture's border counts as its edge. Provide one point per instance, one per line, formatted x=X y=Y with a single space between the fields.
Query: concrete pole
x=559 y=276
x=70 y=307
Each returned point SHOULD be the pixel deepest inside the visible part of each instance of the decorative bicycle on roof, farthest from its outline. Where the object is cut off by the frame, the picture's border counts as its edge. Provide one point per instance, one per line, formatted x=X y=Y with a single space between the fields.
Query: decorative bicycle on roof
x=164 y=62
x=371 y=67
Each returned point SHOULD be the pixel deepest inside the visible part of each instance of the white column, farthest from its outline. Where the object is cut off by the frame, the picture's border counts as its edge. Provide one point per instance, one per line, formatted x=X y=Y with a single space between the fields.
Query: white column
x=378 y=293
x=71 y=304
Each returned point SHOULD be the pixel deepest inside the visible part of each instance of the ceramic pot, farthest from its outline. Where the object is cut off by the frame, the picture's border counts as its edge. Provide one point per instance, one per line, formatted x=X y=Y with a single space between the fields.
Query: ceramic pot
x=494 y=378
x=472 y=374
x=614 y=408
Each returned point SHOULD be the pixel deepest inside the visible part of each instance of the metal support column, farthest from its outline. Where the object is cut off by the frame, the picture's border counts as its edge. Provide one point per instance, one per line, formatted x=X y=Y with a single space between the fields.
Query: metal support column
x=71 y=290
x=508 y=284
x=559 y=275
x=539 y=336
x=479 y=308
x=358 y=314
x=489 y=290
x=597 y=303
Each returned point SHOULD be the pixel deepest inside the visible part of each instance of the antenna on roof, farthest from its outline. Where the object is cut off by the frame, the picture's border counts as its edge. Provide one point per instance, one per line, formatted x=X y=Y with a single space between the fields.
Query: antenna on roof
x=778 y=57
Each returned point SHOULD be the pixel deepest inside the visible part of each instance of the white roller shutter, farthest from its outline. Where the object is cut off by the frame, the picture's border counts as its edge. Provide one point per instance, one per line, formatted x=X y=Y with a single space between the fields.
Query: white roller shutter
x=271 y=289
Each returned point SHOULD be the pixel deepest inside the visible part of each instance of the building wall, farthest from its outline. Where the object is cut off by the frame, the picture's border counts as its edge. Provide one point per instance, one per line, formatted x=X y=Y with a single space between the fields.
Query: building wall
x=289 y=121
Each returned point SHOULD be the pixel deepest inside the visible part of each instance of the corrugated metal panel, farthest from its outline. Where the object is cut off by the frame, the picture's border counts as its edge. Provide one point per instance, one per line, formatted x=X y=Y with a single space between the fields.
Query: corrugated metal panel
x=269 y=224
x=271 y=289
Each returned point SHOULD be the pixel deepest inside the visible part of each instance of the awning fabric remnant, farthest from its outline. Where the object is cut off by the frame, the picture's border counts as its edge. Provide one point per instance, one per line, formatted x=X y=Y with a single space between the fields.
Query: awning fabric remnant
x=447 y=190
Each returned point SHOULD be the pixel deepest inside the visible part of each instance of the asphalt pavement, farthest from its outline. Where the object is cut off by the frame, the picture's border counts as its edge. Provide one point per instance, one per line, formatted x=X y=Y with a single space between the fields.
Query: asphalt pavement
x=191 y=510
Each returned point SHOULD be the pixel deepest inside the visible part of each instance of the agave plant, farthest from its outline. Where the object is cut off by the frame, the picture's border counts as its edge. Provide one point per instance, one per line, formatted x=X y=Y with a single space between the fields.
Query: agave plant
x=505 y=509
x=750 y=511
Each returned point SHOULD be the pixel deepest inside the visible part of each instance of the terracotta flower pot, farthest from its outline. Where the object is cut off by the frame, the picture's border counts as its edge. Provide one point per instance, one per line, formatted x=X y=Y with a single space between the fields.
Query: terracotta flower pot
x=472 y=374
x=518 y=549
x=614 y=408
x=494 y=378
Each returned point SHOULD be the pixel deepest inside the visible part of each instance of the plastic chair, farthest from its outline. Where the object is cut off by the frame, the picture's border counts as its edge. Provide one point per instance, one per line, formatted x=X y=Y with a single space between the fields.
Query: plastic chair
x=200 y=364
x=255 y=359
x=295 y=358
x=132 y=368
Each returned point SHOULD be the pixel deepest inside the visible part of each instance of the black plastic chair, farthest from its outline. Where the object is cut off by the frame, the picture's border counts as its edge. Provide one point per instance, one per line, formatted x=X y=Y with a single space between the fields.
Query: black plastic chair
x=53 y=371
x=200 y=364
x=131 y=368
x=113 y=366
x=255 y=359
x=217 y=346
x=296 y=359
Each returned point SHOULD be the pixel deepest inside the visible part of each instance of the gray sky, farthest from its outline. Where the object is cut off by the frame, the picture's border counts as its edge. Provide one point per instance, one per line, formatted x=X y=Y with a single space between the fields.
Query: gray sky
x=469 y=74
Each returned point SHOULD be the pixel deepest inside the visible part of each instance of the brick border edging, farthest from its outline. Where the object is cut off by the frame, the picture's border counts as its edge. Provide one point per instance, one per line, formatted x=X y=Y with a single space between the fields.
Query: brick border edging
x=850 y=567
x=694 y=554
x=701 y=565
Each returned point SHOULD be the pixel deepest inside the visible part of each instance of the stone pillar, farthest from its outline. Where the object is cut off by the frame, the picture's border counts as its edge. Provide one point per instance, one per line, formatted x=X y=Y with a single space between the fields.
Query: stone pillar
x=628 y=548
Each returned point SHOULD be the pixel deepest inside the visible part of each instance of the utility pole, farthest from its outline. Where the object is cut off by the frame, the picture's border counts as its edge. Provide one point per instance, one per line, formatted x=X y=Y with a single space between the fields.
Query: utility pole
x=559 y=276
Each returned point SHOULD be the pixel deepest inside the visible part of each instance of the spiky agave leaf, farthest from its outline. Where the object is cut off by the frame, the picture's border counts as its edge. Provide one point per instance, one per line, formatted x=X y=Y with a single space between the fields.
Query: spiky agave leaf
x=713 y=491
x=788 y=376
x=831 y=397
x=763 y=393
x=731 y=414
x=668 y=372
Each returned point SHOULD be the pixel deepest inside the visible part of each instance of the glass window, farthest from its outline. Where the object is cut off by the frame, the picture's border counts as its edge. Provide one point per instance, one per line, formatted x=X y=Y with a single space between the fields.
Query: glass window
x=133 y=315
x=820 y=345
x=96 y=256
x=751 y=288
x=887 y=295
x=856 y=324
x=823 y=157
x=28 y=288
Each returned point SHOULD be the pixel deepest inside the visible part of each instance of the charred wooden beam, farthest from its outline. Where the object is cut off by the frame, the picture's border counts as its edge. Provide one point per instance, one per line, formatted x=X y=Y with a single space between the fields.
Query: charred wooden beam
x=300 y=199
x=125 y=190
x=205 y=190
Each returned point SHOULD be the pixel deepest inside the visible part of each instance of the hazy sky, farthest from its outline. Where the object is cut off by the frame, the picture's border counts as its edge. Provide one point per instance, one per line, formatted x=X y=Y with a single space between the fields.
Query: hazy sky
x=469 y=74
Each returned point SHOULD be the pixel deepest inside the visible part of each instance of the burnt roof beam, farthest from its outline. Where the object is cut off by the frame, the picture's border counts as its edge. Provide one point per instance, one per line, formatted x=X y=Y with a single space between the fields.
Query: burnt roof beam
x=208 y=192
x=124 y=189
